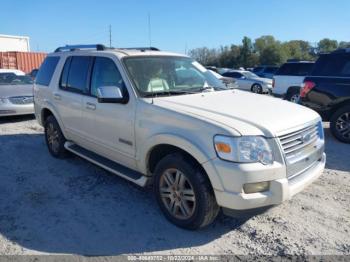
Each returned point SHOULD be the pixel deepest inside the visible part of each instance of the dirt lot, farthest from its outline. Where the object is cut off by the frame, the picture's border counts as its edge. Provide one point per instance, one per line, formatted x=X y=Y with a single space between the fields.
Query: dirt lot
x=71 y=206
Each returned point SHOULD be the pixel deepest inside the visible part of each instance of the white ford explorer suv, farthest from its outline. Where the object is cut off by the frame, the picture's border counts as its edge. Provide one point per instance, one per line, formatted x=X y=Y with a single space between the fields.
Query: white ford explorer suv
x=160 y=118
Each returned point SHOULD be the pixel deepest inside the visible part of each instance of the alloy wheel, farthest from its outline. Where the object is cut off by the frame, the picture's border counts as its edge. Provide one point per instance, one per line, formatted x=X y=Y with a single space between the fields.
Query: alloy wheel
x=177 y=194
x=343 y=125
x=295 y=98
x=52 y=137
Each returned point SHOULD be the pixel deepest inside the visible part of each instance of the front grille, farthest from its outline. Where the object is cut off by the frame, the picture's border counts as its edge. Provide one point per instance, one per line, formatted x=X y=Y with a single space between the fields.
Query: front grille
x=302 y=149
x=21 y=100
x=295 y=142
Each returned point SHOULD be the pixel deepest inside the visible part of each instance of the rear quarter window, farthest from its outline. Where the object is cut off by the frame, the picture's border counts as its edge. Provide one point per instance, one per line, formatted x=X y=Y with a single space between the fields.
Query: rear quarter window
x=46 y=71
x=332 y=65
x=295 y=69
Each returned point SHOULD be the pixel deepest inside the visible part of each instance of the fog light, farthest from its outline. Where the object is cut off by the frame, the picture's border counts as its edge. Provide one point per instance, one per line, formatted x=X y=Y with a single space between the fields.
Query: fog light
x=256 y=187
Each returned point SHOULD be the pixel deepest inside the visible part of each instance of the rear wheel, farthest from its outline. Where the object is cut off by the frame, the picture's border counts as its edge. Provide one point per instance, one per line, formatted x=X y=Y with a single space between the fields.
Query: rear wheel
x=184 y=193
x=340 y=124
x=293 y=95
x=256 y=88
x=54 y=138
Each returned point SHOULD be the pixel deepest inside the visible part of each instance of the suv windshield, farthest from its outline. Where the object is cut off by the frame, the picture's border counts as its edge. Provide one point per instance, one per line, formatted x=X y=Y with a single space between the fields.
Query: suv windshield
x=168 y=75
x=13 y=79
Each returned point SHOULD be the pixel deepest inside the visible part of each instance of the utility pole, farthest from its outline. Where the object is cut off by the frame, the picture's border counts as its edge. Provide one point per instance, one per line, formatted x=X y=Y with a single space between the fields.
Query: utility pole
x=110 y=36
x=149 y=30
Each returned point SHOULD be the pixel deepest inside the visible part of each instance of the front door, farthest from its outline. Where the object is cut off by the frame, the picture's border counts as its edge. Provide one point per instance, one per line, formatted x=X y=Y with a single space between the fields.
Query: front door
x=110 y=126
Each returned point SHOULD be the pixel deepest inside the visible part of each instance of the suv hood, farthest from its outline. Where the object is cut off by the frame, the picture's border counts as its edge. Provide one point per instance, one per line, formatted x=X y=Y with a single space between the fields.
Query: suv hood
x=246 y=113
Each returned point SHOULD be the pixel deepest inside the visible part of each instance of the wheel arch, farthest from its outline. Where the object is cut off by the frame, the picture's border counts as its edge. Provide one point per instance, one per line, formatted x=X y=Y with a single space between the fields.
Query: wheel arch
x=47 y=111
x=161 y=145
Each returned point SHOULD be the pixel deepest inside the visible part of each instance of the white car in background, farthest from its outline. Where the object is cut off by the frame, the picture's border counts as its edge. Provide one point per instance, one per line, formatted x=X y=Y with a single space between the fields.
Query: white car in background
x=249 y=81
x=14 y=71
x=228 y=81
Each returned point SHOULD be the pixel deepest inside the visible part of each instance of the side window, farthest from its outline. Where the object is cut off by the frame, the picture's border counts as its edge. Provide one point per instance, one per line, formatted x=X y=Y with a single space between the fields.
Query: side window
x=46 y=70
x=75 y=74
x=105 y=73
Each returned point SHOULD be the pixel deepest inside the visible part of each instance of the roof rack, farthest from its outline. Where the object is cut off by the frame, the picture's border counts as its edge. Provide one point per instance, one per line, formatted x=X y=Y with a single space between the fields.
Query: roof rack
x=142 y=49
x=98 y=47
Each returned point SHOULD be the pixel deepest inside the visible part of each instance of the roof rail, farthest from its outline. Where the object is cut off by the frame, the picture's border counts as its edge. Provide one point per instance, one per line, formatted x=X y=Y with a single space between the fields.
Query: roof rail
x=98 y=47
x=142 y=49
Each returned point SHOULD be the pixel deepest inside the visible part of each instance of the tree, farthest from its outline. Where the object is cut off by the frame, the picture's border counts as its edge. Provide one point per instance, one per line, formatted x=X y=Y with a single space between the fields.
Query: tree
x=273 y=55
x=205 y=56
x=298 y=49
x=344 y=44
x=327 y=45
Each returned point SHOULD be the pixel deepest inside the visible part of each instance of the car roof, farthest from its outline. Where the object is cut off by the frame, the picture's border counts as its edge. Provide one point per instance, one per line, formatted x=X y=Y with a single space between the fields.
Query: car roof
x=119 y=52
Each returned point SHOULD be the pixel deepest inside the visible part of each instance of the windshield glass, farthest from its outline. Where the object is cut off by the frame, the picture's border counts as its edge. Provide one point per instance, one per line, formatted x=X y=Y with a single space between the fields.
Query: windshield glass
x=248 y=74
x=13 y=79
x=169 y=75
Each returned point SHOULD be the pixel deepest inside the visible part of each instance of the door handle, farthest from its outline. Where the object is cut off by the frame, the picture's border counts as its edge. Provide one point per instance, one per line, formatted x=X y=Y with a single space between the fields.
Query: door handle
x=57 y=96
x=90 y=106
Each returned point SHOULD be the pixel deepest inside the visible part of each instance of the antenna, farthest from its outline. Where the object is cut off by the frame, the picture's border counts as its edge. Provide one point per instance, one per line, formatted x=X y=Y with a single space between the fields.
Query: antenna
x=149 y=30
x=110 y=36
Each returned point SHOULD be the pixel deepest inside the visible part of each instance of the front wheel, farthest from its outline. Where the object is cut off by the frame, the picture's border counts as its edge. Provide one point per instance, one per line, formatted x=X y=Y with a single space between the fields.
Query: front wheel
x=184 y=193
x=256 y=88
x=340 y=124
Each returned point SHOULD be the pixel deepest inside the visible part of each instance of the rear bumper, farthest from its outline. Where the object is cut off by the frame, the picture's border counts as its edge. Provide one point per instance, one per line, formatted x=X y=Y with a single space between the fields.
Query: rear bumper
x=280 y=189
x=9 y=109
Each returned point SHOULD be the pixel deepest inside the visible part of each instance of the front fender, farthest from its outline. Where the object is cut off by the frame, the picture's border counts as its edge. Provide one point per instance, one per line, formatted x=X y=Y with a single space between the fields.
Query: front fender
x=175 y=140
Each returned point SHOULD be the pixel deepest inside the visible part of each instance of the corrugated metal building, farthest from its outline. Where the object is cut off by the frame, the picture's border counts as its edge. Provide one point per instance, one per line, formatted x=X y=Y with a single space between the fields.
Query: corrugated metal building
x=14 y=43
x=25 y=61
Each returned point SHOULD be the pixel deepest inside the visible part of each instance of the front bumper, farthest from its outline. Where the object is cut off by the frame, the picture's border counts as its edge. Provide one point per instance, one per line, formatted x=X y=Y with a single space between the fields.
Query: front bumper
x=9 y=109
x=281 y=188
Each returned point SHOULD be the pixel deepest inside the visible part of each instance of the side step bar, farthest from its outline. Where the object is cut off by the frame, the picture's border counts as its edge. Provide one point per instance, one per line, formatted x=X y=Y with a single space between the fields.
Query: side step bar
x=107 y=164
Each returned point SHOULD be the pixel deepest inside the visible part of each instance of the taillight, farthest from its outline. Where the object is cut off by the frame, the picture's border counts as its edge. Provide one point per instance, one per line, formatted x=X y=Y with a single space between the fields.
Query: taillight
x=273 y=83
x=308 y=85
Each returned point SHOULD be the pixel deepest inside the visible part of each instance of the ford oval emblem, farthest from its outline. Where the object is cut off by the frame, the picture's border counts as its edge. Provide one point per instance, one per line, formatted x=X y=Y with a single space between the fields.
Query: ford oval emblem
x=306 y=138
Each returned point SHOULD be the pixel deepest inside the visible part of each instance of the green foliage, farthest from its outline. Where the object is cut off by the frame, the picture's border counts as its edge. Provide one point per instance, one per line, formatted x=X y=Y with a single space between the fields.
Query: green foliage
x=265 y=50
x=327 y=45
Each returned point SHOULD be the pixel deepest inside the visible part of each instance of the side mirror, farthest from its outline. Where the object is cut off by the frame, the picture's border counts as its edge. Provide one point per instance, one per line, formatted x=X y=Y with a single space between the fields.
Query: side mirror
x=111 y=94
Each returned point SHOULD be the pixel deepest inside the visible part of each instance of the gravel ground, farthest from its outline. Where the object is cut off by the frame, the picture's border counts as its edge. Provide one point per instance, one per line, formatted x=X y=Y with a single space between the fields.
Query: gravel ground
x=73 y=207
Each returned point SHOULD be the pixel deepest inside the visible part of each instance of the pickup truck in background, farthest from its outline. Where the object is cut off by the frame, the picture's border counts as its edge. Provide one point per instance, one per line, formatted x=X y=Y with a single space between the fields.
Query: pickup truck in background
x=289 y=78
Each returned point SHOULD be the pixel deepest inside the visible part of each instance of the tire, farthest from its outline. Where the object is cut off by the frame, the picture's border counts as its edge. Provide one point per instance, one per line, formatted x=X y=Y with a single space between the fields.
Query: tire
x=293 y=95
x=257 y=89
x=54 y=138
x=340 y=124
x=199 y=200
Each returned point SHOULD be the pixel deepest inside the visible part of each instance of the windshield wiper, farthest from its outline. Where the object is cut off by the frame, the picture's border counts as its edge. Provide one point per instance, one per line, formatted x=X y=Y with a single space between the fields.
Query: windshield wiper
x=168 y=93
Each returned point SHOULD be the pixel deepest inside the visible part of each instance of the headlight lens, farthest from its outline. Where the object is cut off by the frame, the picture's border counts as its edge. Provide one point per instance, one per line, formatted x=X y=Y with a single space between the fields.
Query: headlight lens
x=245 y=149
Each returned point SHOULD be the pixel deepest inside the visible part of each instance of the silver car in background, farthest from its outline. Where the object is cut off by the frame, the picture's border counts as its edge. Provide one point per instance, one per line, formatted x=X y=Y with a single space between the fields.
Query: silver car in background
x=249 y=81
x=16 y=94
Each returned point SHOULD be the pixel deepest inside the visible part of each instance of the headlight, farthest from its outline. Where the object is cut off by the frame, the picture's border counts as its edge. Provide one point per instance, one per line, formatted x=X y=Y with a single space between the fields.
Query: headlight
x=244 y=149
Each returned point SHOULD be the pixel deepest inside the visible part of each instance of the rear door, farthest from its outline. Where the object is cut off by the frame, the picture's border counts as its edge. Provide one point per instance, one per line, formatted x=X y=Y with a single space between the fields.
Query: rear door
x=69 y=96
